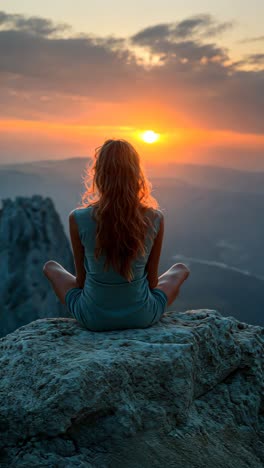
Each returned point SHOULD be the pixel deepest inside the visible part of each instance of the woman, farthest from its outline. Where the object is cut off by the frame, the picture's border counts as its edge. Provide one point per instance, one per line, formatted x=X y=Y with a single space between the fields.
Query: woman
x=116 y=237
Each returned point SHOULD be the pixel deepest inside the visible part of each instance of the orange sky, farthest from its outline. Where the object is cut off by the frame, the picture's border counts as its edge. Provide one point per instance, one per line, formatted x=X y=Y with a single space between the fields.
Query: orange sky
x=62 y=94
x=173 y=145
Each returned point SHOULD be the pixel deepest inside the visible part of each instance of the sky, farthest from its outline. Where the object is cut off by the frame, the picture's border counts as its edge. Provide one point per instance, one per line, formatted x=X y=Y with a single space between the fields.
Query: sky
x=73 y=74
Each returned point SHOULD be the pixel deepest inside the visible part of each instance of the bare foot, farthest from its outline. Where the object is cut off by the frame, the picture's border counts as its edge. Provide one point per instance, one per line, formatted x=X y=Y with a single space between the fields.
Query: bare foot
x=171 y=281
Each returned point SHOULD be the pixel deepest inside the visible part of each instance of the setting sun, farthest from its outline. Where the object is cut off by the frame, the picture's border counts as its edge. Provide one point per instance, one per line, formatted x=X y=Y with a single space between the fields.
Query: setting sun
x=150 y=137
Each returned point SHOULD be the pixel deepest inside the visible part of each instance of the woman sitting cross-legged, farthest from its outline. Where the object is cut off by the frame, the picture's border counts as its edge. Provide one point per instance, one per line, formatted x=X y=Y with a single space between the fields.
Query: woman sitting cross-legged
x=116 y=236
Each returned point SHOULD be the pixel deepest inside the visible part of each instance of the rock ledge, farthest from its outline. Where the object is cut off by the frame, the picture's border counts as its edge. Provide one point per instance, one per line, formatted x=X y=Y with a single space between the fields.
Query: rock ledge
x=186 y=392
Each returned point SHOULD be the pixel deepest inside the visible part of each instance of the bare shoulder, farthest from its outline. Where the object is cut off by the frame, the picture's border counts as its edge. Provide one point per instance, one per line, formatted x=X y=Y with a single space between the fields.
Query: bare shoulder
x=155 y=211
x=72 y=215
x=161 y=223
x=160 y=215
x=79 y=211
x=157 y=217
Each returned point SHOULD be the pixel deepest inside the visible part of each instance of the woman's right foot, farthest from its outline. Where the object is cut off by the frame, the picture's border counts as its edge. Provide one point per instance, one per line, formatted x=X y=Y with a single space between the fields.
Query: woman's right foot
x=171 y=281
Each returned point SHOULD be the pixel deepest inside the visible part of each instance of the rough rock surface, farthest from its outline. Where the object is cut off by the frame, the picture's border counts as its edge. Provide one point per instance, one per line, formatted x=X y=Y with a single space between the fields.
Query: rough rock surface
x=187 y=392
x=30 y=234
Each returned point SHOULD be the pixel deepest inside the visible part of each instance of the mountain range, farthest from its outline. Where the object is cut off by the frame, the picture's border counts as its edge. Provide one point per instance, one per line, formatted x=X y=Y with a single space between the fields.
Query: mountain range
x=213 y=223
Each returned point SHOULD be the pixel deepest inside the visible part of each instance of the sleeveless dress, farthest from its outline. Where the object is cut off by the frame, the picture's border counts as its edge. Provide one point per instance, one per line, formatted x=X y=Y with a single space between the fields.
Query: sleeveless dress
x=108 y=301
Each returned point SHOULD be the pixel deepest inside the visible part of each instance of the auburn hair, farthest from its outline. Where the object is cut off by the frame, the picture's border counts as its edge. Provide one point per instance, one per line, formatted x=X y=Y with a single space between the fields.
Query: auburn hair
x=117 y=187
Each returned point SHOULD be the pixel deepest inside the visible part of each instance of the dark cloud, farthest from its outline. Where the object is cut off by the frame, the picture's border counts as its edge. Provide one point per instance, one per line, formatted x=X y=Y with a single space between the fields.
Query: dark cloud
x=195 y=78
x=83 y=65
x=183 y=39
x=255 y=59
x=151 y=34
x=251 y=59
x=190 y=50
x=32 y=24
x=195 y=26
x=201 y=25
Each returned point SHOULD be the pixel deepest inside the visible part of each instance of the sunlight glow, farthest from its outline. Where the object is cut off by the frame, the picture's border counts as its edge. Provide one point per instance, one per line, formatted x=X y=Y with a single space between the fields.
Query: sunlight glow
x=150 y=137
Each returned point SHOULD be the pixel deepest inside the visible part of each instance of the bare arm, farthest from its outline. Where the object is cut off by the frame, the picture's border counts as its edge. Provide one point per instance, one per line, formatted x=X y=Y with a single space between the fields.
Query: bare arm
x=78 y=251
x=154 y=257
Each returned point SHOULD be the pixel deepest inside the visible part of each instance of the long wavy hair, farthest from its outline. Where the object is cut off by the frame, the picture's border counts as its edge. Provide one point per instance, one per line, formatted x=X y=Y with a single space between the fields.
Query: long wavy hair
x=117 y=187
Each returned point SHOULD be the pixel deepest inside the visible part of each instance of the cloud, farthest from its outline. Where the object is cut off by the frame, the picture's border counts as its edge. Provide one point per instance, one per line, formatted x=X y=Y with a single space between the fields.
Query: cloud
x=255 y=59
x=33 y=24
x=195 y=83
x=202 y=25
x=83 y=65
x=195 y=26
x=251 y=59
x=150 y=34
x=252 y=39
x=183 y=39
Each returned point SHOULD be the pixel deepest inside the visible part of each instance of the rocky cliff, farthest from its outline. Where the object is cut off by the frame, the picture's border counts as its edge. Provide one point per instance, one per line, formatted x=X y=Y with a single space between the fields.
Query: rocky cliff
x=187 y=392
x=30 y=234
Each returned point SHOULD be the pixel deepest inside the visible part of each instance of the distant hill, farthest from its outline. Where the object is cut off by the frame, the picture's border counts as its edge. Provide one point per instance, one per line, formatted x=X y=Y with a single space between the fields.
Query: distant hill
x=213 y=177
x=227 y=291
x=213 y=224
x=59 y=179
x=232 y=180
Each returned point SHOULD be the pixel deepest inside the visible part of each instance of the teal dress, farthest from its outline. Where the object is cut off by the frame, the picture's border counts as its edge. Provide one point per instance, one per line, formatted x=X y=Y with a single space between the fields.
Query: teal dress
x=108 y=301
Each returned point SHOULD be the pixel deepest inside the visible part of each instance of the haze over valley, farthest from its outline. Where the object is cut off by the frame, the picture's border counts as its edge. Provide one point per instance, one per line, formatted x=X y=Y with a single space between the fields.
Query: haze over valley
x=217 y=231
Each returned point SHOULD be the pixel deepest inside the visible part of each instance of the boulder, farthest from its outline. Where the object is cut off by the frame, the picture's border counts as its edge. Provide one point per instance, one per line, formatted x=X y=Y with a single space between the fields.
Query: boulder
x=186 y=392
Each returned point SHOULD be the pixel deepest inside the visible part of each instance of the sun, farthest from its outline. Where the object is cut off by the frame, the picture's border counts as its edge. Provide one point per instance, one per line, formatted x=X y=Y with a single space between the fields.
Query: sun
x=150 y=137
